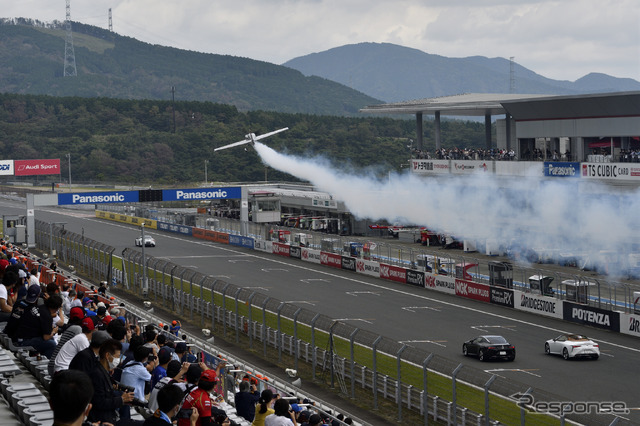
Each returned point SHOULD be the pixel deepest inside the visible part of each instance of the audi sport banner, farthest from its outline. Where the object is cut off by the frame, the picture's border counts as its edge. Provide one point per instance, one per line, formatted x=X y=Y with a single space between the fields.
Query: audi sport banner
x=37 y=167
x=594 y=317
x=6 y=167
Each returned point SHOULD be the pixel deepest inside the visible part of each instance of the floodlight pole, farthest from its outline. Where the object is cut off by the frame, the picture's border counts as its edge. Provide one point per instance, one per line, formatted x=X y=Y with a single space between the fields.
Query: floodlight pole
x=144 y=261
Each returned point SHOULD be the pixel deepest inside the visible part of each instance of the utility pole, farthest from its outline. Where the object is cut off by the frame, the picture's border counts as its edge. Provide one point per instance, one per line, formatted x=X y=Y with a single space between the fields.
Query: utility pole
x=69 y=55
x=173 y=106
x=110 y=21
x=205 y=171
x=69 y=157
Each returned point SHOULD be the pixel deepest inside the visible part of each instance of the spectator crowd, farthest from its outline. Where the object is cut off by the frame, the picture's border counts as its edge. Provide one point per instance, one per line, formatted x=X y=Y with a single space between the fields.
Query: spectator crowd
x=102 y=365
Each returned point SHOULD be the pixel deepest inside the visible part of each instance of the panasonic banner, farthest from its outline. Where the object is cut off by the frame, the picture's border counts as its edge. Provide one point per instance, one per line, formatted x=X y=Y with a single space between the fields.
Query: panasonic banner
x=561 y=169
x=537 y=304
x=98 y=197
x=201 y=194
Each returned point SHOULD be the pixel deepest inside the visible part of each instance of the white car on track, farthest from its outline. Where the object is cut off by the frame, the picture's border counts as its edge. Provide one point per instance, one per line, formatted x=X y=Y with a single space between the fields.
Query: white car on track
x=572 y=346
x=148 y=241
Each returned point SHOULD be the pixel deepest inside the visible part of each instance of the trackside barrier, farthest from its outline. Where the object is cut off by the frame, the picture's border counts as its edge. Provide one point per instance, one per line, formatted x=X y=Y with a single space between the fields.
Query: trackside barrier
x=229 y=318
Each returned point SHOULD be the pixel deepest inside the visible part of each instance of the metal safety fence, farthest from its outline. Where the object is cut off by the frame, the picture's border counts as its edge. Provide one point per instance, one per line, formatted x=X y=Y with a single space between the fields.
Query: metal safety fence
x=395 y=376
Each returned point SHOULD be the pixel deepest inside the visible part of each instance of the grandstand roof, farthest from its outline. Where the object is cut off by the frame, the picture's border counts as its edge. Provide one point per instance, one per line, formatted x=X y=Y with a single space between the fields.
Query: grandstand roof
x=520 y=106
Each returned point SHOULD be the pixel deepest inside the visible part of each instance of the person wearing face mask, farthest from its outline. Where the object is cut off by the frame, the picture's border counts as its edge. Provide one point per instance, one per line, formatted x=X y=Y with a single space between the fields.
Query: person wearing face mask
x=106 y=400
x=70 y=394
x=169 y=402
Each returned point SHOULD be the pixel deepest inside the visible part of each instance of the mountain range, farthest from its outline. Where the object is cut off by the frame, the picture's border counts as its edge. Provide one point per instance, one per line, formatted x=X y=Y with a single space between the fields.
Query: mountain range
x=337 y=82
x=395 y=73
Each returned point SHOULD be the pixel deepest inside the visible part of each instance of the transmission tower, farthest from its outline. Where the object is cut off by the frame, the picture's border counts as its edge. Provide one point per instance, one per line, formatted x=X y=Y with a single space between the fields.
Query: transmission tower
x=110 y=21
x=512 y=75
x=69 y=56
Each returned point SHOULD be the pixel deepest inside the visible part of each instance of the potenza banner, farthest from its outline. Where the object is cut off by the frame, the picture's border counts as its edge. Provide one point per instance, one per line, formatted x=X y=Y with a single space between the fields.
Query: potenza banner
x=595 y=317
x=37 y=167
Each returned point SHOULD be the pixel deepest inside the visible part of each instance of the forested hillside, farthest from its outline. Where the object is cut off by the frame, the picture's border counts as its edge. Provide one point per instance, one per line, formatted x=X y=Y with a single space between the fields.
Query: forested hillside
x=111 y=65
x=133 y=141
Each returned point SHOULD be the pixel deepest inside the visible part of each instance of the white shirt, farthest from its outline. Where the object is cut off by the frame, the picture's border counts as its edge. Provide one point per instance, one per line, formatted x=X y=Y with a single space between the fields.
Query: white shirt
x=69 y=350
x=3 y=292
x=273 y=420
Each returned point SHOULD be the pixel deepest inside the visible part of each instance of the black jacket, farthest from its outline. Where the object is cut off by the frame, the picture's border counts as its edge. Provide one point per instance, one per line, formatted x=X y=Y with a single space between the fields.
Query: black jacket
x=105 y=399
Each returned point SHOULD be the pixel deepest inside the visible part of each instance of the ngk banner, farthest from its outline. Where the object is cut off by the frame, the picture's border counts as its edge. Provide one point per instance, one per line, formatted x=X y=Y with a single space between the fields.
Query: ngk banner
x=37 y=167
x=472 y=290
x=6 y=167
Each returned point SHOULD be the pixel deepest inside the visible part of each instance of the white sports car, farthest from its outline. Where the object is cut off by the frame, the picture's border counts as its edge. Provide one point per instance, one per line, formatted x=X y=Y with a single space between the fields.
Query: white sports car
x=572 y=346
x=148 y=241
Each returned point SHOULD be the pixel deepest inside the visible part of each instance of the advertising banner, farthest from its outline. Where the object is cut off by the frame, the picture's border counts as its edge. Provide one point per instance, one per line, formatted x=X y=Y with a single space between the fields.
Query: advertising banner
x=561 y=169
x=415 y=278
x=331 y=259
x=537 y=304
x=501 y=296
x=349 y=263
x=295 y=252
x=36 y=167
x=281 y=249
x=309 y=255
x=368 y=267
x=472 y=290
x=6 y=167
x=430 y=166
x=630 y=324
x=595 y=317
x=201 y=193
x=393 y=273
x=440 y=283
x=97 y=197
x=615 y=171
x=470 y=166
x=240 y=241
x=172 y=227
x=263 y=245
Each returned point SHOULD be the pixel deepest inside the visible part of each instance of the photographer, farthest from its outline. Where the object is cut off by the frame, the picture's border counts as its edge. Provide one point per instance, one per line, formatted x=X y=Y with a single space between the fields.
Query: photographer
x=200 y=400
x=169 y=400
x=106 y=400
x=136 y=375
x=283 y=415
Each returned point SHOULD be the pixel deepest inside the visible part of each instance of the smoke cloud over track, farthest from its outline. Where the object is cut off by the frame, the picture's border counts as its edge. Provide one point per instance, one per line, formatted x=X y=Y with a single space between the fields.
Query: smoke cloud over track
x=558 y=217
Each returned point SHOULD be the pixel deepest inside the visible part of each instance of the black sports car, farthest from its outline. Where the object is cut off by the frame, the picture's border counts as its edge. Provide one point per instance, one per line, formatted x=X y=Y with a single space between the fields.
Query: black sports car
x=489 y=347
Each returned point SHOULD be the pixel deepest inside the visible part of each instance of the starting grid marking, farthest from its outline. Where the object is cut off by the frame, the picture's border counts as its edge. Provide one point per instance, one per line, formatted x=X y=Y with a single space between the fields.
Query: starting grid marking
x=484 y=328
x=312 y=280
x=413 y=308
x=516 y=370
x=368 y=321
x=433 y=342
x=273 y=269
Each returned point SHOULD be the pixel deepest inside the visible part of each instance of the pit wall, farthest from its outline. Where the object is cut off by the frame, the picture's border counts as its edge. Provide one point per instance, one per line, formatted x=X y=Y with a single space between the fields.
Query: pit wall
x=618 y=322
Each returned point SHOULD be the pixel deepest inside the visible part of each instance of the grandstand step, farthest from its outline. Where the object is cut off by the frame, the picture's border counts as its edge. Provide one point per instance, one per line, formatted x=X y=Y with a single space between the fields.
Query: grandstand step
x=25 y=403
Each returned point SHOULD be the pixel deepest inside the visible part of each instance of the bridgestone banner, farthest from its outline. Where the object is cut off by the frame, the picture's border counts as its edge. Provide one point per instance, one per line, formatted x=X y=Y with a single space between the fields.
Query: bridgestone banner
x=537 y=304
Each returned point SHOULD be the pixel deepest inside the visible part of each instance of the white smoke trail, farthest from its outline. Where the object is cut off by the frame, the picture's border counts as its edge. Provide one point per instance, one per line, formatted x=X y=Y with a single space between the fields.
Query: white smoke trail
x=549 y=215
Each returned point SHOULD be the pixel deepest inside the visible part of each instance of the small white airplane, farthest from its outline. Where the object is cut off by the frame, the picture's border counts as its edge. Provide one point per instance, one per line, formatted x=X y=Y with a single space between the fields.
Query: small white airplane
x=250 y=138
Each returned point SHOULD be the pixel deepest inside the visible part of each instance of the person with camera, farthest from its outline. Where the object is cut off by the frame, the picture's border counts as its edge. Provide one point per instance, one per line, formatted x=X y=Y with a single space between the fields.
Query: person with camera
x=169 y=401
x=107 y=400
x=200 y=400
x=136 y=375
x=283 y=415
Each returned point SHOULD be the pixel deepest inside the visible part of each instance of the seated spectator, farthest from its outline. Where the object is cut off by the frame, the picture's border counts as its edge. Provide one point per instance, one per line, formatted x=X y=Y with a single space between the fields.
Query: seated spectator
x=283 y=415
x=315 y=420
x=98 y=319
x=106 y=400
x=200 y=399
x=88 y=306
x=87 y=359
x=136 y=373
x=160 y=371
x=73 y=346
x=263 y=409
x=246 y=400
x=183 y=353
x=169 y=403
x=70 y=395
x=71 y=329
x=31 y=325
x=7 y=295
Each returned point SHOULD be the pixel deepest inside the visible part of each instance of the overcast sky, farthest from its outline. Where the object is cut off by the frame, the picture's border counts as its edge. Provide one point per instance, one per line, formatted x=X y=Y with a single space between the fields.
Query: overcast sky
x=564 y=39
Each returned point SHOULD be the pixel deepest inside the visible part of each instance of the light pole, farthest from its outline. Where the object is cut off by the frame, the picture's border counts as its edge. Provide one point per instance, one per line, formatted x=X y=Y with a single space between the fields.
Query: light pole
x=69 y=157
x=51 y=250
x=144 y=262
x=205 y=171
